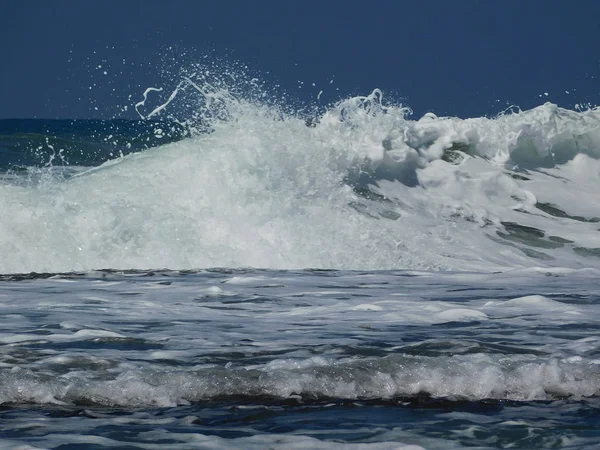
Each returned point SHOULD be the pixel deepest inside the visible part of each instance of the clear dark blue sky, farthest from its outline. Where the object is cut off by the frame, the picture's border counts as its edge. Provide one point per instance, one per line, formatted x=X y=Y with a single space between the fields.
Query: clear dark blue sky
x=452 y=57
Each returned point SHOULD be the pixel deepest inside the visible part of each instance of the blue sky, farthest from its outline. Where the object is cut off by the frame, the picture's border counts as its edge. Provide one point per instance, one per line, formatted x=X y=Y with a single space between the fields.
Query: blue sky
x=462 y=57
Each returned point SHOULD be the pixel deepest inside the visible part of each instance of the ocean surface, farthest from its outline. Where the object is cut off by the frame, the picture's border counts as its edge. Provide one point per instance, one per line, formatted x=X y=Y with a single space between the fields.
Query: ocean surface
x=263 y=278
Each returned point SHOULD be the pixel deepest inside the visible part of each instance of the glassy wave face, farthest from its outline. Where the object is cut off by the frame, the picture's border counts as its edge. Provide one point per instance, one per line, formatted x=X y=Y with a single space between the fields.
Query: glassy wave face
x=359 y=186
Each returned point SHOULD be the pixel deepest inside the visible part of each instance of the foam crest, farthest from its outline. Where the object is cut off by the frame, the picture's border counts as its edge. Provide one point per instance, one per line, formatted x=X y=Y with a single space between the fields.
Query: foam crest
x=474 y=377
x=363 y=187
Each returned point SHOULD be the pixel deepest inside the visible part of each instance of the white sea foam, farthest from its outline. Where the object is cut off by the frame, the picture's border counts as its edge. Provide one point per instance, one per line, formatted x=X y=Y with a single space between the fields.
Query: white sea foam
x=241 y=358
x=364 y=188
x=473 y=377
x=140 y=348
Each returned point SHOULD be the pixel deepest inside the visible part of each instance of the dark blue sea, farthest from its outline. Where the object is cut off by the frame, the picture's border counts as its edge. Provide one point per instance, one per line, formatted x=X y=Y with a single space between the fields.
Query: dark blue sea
x=253 y=279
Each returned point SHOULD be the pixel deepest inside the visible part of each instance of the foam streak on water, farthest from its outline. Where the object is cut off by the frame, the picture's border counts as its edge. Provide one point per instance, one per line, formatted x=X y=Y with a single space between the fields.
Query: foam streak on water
x=224 y=358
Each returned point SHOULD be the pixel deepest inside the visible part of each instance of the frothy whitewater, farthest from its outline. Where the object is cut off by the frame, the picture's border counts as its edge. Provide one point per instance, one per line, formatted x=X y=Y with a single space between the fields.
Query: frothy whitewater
x=359 y=279
x=364 y=188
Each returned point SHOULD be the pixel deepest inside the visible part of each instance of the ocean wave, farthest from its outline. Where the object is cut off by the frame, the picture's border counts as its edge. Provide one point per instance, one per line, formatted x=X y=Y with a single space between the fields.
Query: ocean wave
x=457 y=378
x=361 y=187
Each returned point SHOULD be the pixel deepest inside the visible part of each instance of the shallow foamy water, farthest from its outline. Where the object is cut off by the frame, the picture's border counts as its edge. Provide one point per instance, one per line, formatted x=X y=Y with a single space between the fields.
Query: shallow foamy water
x=300 y=359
